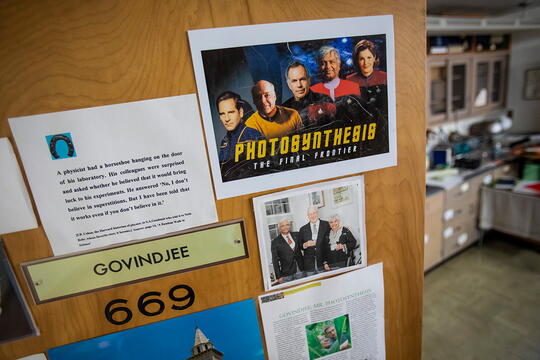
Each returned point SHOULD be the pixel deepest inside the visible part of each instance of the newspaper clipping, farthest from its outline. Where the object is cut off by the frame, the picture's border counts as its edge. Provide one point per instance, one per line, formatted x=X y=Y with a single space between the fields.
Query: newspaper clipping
x=338 y=318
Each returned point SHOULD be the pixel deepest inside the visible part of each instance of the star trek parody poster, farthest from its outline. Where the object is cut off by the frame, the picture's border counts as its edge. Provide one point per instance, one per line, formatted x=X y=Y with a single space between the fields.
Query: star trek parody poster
x=290 y=103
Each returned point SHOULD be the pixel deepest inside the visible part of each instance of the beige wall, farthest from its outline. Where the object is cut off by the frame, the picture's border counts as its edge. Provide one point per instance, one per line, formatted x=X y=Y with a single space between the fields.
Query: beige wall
x=525 y=55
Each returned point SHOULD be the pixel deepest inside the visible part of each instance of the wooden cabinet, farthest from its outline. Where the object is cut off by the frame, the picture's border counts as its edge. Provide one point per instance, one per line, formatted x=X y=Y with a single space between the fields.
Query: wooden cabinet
x=433 y=230
x=449 y=87
x=452 y=216
x=465 y=85
x=462 y=235
x=460 y=213
x=488 y=82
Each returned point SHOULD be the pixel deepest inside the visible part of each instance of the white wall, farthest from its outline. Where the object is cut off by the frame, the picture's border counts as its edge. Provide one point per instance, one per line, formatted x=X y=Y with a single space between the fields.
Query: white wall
x=525 y=54
x=348 y=213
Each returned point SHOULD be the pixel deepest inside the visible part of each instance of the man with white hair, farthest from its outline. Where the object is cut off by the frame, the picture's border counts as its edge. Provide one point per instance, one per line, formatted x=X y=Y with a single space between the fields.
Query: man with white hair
x=329 y=62
x=311 y=236
x=286 y=255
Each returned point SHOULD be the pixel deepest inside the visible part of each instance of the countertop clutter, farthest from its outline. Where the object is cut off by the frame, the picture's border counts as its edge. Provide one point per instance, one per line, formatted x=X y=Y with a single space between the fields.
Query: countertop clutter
x=453 y=195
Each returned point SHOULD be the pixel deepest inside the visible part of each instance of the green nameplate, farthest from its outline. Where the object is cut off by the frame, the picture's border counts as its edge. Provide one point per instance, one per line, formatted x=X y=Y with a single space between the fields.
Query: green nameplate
x=58 y=277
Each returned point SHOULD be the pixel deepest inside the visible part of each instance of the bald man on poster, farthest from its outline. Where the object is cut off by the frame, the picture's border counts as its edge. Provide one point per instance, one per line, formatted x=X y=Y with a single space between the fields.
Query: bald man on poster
x=270 y=119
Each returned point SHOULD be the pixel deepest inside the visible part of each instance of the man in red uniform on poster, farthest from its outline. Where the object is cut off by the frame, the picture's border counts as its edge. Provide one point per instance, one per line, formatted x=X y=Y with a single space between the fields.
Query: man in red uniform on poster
x=329 y=62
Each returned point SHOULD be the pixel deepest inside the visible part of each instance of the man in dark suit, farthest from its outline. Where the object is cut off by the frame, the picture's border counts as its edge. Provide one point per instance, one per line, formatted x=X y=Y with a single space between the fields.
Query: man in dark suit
x=286 y=255
x=310 y=237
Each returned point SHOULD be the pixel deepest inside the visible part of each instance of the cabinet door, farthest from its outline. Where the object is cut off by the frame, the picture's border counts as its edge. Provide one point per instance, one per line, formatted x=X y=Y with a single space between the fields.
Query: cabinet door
x=438 y=91
x=497 y=80
x=433 y=230
x=481 y=88
x=432 y=240
x=459 y=88
x=489 y=77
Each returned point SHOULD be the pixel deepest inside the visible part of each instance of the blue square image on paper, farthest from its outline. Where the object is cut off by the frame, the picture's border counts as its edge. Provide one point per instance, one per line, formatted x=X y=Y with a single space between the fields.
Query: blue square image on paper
x=61 y=146
x=228 y=332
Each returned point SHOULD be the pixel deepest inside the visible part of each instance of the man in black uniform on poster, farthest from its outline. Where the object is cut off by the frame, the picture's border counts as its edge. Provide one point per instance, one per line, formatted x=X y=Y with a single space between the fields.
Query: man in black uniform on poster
x=311 y=236
x=315 y=109
x=233 y=112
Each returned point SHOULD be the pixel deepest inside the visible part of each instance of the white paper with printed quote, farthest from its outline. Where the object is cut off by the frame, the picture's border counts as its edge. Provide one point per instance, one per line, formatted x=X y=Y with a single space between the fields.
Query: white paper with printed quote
x=115 y=173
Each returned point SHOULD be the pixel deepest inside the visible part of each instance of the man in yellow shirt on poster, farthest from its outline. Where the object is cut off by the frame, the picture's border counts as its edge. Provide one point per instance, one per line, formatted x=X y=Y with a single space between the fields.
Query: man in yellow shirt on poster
x=271 y=120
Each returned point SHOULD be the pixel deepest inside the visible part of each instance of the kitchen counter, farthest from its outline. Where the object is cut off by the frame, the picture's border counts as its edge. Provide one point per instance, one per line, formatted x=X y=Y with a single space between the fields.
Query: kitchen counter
x=433 y=186
x=434 y=183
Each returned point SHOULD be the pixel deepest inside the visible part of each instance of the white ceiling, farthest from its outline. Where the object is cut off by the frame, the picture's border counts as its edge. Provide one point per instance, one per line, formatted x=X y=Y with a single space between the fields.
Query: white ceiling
x=480 y=8
x=482 y=15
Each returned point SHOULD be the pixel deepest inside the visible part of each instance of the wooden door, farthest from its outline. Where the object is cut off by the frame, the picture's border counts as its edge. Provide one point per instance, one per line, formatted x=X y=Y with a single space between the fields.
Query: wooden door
x=62 y=54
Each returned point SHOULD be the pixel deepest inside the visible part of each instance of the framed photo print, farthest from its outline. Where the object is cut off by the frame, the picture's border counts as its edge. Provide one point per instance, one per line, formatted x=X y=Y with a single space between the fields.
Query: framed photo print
x=341 y=195
x=532 y=84
x=300 y=241
x=316 y=198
